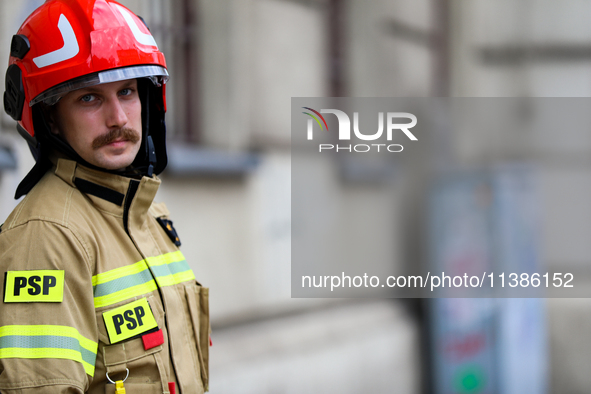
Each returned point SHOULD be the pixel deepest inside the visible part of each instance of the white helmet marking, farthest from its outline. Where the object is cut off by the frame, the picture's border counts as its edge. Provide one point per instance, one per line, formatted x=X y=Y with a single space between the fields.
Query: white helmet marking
x=142 y=38
x=68 y=51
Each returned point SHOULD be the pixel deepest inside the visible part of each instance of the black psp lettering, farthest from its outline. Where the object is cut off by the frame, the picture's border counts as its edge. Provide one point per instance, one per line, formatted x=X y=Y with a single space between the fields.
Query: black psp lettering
x=35 y=289
x=34 y=285
x=20 y=282
x=48 y=283
x=133 y=317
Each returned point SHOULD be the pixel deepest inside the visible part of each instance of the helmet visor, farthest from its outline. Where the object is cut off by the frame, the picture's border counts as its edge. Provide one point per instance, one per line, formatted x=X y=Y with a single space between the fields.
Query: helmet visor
x=157 y=74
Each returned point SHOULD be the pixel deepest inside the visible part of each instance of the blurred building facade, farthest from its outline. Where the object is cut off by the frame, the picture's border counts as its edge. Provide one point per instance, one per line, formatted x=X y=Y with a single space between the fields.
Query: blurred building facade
x=234 y=66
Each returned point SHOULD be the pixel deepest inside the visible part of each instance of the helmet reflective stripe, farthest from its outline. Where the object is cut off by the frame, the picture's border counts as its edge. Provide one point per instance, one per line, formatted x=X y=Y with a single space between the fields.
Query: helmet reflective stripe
x=142 y=38
x=157 y=74
x=68 y=51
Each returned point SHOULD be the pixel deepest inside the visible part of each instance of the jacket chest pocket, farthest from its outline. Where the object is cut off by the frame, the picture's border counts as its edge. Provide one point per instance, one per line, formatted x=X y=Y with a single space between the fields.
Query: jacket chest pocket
x=145 y=367
x=198 y=302
x=141 y=354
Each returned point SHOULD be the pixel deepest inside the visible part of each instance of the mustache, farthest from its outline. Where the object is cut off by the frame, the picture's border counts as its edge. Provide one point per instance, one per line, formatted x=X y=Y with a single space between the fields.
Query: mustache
x=124 y=133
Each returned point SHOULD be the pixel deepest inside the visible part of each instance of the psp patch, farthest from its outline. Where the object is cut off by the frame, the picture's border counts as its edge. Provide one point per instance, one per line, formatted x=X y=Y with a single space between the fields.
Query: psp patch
x=129 y=320
x=34 y=286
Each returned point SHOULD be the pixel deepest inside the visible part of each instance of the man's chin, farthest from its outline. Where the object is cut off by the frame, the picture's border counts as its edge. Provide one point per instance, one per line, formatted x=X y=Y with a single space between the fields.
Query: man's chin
x=115 y=158
x=114 y=163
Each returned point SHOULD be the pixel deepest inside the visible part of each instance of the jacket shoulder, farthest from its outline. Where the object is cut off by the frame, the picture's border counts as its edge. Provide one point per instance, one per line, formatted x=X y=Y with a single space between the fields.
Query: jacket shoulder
x=50 y=200
x=42 y=218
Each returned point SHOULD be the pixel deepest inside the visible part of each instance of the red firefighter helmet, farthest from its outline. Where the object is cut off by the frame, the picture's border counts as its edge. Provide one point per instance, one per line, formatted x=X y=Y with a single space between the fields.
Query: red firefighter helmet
x=66 y=45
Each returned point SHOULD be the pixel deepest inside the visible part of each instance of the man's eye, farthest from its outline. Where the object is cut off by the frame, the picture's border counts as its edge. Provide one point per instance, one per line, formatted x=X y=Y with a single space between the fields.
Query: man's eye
x=125 y=92
x=87 y=98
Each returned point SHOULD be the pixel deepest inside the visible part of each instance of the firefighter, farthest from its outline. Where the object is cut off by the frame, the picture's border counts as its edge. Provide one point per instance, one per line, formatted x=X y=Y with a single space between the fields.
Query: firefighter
x=97 y=297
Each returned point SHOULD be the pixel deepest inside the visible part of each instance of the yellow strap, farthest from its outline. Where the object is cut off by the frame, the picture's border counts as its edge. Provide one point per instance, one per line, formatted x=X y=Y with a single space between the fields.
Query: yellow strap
x=119 y=389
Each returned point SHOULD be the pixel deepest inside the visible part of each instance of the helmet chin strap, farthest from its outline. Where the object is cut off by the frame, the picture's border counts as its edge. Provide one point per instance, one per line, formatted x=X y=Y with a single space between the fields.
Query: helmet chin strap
x=151 y=156
x=35 y=174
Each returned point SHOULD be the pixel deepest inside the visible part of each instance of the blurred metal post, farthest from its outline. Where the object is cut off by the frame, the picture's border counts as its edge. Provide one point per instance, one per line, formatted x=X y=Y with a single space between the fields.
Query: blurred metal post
x=191 y=69
x=441 y=48
x=337 y=42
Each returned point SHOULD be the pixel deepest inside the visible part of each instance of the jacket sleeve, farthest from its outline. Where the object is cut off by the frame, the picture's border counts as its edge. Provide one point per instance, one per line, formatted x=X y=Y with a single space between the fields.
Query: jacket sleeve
x=48 y=330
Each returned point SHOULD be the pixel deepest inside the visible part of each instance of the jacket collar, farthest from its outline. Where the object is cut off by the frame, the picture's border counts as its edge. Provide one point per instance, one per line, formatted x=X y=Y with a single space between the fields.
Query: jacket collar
x=118 y=195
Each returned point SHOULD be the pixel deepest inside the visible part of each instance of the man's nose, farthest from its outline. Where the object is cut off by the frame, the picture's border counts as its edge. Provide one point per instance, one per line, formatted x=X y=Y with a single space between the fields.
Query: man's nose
x=116 y=116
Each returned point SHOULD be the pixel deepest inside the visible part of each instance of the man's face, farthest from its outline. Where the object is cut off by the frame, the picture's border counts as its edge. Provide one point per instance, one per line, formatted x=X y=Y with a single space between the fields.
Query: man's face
x=102 y=123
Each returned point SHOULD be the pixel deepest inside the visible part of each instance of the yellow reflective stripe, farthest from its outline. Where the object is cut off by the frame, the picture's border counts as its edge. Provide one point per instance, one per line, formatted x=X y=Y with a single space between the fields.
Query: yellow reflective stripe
x=124 y=294
x=184 y=276
x=180 y=277
x=143 y=277
x=167 y=258
x=119 y=272
x=63 y=331
x=163 y=267
x=65 y=354
x=48 y=341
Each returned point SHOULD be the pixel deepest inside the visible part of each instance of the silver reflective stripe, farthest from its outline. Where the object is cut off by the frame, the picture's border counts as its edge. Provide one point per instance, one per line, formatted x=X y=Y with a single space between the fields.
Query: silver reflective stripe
x=68 y=51
x=121 y=74
x=157 y=74
x=142 y=38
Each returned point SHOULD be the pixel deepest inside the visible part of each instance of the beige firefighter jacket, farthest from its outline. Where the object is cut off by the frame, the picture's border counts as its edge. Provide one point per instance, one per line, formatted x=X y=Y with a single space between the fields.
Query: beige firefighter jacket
x=93 y=239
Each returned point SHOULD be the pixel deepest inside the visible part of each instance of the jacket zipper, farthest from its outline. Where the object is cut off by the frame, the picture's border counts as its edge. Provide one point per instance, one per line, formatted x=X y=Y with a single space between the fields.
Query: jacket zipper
x=133 y=186
x=131 y=192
